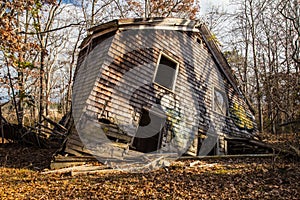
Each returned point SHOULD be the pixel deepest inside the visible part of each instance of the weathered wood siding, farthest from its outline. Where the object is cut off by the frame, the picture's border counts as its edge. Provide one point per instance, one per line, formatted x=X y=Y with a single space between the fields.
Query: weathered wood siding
x=89 y=67
x=116 y=83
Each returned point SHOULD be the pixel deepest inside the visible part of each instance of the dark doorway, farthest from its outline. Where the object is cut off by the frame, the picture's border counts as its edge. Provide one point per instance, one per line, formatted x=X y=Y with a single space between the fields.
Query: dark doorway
x=207 y=144
x=149 y=133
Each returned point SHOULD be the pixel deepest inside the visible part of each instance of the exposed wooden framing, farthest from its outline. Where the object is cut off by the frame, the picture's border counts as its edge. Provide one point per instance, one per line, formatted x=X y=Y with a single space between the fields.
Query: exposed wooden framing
x=50 y=130
x=88 y=40
x=55 y=124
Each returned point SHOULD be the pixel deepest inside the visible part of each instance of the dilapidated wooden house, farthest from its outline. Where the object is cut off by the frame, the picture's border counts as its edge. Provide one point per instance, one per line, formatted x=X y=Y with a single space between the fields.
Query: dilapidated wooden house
x=152 y=82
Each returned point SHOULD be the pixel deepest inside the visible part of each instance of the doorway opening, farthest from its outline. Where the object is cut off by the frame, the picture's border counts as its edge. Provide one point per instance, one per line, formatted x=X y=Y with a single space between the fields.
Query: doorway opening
x=148 y=137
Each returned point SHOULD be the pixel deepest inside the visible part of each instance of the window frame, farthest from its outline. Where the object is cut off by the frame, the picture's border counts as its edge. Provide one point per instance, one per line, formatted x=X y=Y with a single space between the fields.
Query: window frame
x=223 y=93
x=175 y=75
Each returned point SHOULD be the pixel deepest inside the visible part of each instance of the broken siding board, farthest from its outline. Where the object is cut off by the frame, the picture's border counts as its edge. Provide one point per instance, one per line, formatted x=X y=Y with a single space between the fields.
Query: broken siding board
x=75 y=136
x=76 y=143
x=116 y=134
x=76 y=151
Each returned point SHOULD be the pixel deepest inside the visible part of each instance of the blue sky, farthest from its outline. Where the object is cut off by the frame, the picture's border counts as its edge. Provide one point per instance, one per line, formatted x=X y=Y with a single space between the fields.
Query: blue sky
x=75 y=2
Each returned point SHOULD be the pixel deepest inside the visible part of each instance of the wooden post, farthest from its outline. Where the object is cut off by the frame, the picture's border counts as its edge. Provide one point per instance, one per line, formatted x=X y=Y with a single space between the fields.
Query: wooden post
x=146 y=9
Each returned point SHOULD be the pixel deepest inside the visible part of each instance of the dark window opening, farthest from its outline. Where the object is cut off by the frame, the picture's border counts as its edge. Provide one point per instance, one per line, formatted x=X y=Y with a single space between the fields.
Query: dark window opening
x=166 y=72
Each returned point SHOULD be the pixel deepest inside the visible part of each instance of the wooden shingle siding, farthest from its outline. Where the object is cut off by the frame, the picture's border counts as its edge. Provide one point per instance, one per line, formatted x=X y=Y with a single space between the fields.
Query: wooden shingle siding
x=86 y=75
x=114 y=81
x=158 y=40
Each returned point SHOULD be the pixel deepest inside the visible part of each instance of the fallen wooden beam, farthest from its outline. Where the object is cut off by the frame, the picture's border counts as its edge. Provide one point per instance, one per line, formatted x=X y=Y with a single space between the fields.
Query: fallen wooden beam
x=50 y=130
x=226 y=156
x=55 y=124
x=62 y=165
x=60 y=158
x=102 y=171
x=195 y=163
x=81 y=168
x=64 y=170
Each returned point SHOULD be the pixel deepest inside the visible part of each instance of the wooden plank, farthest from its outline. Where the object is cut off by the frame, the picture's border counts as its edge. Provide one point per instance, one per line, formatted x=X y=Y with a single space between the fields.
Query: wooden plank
x=65 y=169
x=71 y=151
x=76 y=142
x=102 y=171
x=55 y=124
x=69 y=158
x=77 y=151
x=226 y=156
x=60 y=165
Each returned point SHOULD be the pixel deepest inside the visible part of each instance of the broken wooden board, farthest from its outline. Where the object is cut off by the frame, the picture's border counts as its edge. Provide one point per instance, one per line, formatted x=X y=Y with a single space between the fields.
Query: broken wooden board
x=226 y=156
x=84 y=168
x=61 y=161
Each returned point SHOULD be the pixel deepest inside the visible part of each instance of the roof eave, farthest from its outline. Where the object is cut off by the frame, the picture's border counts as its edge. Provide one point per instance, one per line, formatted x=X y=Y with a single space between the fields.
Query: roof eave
x=141 y=23
x=146 y=21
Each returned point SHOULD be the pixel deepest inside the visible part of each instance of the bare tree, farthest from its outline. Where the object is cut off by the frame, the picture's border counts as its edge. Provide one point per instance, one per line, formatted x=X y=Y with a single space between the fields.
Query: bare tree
x=267 y=36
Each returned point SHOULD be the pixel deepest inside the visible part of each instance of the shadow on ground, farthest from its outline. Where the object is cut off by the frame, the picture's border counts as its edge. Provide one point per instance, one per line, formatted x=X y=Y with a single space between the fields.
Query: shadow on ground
x=21 y=156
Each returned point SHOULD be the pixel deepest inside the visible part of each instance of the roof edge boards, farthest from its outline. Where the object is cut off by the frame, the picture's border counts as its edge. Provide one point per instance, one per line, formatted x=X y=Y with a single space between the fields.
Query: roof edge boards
x=143 y=27
x=88 y=40
x=176 y=24
x=146 y=21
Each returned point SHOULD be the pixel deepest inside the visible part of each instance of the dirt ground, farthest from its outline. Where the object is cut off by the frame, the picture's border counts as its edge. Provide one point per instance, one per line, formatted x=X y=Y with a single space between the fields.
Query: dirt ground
x=238 y=178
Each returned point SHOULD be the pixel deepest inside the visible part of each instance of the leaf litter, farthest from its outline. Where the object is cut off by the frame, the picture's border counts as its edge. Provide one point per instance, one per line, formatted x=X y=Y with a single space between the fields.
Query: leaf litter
x=235 y=178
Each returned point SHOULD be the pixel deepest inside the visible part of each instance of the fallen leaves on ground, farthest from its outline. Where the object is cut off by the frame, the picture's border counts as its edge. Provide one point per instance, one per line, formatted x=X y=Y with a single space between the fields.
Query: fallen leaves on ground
x=239 y=178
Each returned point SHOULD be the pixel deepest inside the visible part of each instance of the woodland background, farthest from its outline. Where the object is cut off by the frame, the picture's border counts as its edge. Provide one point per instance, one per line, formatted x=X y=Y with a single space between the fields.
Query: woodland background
x=39 y=43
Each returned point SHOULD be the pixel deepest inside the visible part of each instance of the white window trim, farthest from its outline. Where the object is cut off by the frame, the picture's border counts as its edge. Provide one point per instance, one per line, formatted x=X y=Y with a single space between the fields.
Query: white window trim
x=176 y=71
x=225 y=99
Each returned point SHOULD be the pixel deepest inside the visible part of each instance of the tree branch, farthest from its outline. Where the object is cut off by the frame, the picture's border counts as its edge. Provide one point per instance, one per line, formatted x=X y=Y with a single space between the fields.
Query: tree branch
x=53 y=30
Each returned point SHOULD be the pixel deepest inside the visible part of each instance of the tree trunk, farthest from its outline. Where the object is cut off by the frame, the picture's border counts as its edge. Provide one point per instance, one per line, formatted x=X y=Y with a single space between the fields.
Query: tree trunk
x=41 y=83
x=255 y=66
